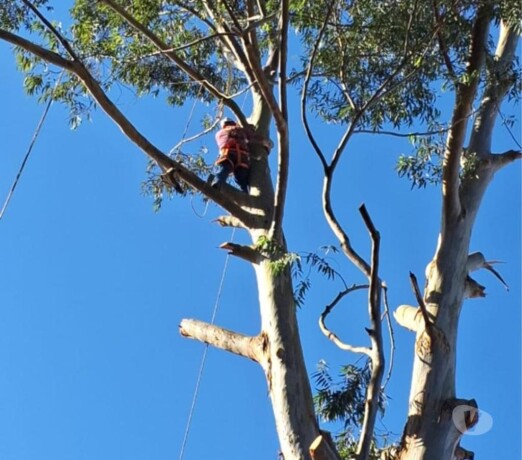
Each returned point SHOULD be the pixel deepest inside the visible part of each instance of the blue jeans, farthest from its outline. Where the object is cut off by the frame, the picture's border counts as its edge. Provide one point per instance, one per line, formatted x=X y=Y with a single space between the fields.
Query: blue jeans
x=241 y=175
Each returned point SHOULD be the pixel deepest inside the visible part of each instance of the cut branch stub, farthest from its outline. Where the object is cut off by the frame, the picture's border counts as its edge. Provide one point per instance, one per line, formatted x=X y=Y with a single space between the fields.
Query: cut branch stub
x=239 y=344
x=247 y=253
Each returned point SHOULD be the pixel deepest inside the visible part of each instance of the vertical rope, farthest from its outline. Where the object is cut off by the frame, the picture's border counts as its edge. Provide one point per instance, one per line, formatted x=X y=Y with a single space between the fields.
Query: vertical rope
x=30 y=148
x=204 y=357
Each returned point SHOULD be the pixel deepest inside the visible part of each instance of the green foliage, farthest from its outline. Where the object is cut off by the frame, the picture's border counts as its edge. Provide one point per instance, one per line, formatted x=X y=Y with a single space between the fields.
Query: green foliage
x=159 y=189
x=425 y=167
x=314 y=261
x=343 y=400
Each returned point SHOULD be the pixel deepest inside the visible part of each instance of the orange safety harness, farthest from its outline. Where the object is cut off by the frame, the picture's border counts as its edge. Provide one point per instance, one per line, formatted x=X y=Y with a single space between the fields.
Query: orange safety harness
x=234 y=153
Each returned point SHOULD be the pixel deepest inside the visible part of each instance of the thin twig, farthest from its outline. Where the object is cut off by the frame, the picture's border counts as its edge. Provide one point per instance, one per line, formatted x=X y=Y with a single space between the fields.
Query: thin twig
x=390 y=333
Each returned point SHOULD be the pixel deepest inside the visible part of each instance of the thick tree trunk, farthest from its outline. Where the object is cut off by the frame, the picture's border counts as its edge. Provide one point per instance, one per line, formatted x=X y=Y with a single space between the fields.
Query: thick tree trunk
x=434 y=428
x=283 y=363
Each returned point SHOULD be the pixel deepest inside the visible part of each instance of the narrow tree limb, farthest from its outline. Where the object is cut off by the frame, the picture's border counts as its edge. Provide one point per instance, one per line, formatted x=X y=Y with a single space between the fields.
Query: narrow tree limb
x=442 y=44
x=227 y=340
x=244 y=252
x=333 y=337
x=304 y=92
x=283 y=157
x=422 y=305
x=61 y=39
x=373 y=391
x=391 y=335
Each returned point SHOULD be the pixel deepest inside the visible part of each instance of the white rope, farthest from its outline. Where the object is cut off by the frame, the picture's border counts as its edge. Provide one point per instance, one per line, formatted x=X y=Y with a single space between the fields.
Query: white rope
x=204 y=357
x=30 y=148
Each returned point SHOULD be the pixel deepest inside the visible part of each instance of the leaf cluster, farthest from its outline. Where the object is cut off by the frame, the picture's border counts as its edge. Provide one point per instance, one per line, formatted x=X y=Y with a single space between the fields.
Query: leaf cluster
x=343 y=399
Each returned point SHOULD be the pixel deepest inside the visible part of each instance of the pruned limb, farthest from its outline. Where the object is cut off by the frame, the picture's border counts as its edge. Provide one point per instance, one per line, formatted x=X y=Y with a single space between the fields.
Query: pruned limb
x=409 y=317
x=329 y=334
x=239 y=344
x=500 y=160
x=321 y=448
x=229 y=221
x=244 y=252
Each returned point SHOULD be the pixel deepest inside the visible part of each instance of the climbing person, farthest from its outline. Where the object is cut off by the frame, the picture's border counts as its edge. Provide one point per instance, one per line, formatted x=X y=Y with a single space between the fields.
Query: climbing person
x=234 y=156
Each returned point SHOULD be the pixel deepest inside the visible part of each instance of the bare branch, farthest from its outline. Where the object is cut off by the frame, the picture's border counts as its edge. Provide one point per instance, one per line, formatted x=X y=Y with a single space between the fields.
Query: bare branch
x=304 y=92
x=391 y=334
x=247 y=253
x=283 y=137
x=239 y=344
x=329 y=334
x=422 y=305
x=371 y=405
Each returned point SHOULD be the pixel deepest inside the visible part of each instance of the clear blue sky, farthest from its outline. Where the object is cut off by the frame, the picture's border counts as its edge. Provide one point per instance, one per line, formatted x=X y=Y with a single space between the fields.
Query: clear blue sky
x=94 y=285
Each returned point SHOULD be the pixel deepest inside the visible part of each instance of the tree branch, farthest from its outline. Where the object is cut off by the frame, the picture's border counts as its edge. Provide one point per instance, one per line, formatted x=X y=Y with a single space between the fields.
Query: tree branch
x=283 y=135
x=172 y=56
x=329 y=334
x=247 y=253
x=373 y=390
x=45 y=54
x=465 y=95
x=239 y=344
x=227 y=201
x=501 y=77
x=304 y=92
x=424 y=311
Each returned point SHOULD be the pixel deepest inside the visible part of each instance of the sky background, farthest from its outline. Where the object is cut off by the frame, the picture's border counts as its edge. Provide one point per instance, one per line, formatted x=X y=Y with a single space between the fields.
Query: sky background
x=93 y=286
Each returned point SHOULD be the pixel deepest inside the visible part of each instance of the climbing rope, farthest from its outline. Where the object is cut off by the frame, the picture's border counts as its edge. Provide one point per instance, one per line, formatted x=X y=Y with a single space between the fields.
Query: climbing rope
x=204 y=357
x=30 y=148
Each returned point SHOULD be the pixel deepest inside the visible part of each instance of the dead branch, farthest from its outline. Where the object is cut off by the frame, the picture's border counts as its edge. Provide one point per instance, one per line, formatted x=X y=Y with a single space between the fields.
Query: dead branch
x=233 y=342
x=422 y=305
